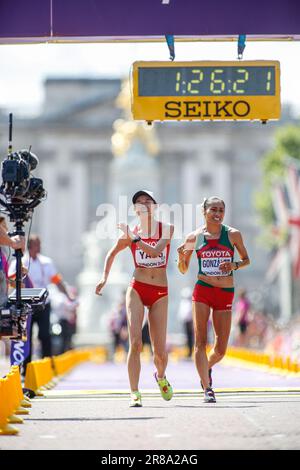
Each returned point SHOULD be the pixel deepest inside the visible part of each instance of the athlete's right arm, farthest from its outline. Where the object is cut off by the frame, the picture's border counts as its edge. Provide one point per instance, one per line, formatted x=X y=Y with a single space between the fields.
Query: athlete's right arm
x=122 y=243
x=185 y=252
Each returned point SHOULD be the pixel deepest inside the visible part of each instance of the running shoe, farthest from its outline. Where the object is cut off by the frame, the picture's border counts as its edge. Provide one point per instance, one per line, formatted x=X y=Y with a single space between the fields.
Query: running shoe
x=135 y=400
x=165 y=388
x=209 y=377
x=209 y=396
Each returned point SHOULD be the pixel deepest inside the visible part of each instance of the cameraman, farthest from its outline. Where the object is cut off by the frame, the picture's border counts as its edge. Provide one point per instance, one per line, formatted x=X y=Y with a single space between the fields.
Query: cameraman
x=15 y=242
x=42 y=272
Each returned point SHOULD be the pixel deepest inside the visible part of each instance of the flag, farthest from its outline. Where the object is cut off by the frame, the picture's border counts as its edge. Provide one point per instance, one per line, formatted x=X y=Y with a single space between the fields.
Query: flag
x=293 y=188
x=286 y=205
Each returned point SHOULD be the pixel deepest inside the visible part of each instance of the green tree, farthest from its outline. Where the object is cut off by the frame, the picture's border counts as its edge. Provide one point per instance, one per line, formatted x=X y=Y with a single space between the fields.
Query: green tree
x=287 y=145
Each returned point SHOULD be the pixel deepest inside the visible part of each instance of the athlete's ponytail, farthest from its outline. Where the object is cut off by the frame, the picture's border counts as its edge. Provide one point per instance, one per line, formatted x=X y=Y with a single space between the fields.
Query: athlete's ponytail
x=204 y=203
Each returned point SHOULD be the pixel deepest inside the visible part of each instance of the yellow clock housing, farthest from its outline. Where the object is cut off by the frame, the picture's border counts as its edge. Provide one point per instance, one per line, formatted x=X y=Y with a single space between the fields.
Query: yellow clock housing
x=206 y=90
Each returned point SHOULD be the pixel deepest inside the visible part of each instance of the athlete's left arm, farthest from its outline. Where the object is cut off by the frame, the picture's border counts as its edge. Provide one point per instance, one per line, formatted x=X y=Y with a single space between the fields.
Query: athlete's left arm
x=153 y=251
x=236 y=240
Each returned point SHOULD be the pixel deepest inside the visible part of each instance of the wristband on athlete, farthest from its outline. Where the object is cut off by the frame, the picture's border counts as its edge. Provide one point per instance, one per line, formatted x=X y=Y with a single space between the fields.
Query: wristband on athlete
x=136 y=239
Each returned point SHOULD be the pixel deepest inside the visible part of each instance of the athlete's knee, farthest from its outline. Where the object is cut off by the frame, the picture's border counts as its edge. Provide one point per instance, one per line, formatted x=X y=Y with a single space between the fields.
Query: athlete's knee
x=136 y=345
x=220 y=351
x=200 y=345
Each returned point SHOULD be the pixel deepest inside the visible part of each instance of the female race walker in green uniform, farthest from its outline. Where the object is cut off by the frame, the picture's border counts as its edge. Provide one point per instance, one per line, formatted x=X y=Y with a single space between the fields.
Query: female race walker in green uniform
x=149 y=243
x=214 y=244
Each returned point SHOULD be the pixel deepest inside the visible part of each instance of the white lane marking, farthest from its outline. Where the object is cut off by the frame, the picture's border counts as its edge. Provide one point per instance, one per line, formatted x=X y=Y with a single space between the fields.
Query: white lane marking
x=47 y=436
x=231 y=397
x=162 y=435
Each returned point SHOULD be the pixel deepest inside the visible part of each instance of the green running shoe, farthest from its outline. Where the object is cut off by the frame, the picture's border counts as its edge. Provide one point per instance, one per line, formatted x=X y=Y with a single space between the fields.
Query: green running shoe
x=165 y=388
x=135 y=400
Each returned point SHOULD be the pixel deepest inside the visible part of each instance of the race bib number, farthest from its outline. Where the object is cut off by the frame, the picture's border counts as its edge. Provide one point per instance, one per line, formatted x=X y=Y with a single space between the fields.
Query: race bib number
x=146 y=261
x=210 y=266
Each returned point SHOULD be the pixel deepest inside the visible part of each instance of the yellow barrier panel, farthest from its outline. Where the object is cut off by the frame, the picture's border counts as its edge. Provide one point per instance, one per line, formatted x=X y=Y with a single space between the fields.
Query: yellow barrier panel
x=12 y=399
x=5 y=411
x=47 y=373
x=15 y=391
x=25 y=401
x=275 y=362
x=50 y=372
x=33 y=380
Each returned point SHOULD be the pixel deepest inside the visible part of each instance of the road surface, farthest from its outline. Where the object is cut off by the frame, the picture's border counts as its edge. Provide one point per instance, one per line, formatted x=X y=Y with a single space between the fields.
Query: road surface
x=88 y=409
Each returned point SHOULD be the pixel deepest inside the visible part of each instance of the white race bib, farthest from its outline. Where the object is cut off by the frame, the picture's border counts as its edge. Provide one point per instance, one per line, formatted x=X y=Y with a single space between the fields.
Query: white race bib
x=146 y=261
x=210 y=266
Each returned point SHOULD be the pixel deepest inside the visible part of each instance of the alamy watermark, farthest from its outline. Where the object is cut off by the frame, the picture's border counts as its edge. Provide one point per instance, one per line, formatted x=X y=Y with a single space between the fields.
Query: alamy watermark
x=184 y=217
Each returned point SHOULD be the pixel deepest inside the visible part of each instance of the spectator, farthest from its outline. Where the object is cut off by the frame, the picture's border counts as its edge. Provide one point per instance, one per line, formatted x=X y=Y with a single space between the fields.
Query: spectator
x=118 y=325
x=42 y=272
x=66 y=314
x=242 y=311
x=14 y=242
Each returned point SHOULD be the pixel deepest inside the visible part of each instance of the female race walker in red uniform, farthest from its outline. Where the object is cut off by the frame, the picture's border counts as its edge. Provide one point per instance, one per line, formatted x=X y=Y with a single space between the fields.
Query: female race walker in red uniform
x=214 y=244
x=150 y=245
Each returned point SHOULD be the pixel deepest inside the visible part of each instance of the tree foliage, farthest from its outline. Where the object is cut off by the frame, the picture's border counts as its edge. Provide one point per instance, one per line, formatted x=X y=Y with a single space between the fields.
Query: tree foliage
x=287 y=145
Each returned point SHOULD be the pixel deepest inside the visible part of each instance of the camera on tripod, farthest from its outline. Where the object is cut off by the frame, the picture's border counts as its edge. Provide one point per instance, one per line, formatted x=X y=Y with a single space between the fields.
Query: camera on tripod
x=20 y=194
x=17 y=181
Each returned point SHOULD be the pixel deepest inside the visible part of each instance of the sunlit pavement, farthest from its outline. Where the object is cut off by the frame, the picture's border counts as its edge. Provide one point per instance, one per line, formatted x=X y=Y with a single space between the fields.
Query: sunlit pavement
x=89 y=410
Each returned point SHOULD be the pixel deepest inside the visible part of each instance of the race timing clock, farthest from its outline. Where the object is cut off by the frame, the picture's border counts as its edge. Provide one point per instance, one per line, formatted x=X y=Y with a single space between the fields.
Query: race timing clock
x=210 y=90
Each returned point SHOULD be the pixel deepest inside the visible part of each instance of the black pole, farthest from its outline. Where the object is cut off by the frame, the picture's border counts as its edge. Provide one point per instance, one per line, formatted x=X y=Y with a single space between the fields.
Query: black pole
x=10 y=126
x=18 y=254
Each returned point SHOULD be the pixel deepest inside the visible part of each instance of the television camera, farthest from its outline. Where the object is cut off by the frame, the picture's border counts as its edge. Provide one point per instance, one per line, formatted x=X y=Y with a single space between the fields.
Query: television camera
x=20 y=193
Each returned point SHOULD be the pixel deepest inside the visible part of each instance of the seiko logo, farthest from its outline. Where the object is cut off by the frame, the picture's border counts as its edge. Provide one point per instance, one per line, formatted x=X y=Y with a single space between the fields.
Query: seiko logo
x=207 y=109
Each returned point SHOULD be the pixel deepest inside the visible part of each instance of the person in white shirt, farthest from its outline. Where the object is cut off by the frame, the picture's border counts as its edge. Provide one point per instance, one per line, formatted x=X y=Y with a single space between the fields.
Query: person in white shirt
x=65 y=313
x=42 y=272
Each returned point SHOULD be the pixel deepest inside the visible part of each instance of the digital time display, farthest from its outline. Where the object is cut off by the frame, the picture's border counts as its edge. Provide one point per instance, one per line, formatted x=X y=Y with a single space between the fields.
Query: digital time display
x=206 y=81
x=206 y=90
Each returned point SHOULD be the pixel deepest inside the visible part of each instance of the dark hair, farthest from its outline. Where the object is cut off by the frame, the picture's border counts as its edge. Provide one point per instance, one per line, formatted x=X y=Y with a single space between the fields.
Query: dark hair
x=209 y=200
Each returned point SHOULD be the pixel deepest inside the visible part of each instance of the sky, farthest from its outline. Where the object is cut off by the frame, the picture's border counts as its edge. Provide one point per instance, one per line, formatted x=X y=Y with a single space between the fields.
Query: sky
x=23 y=68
